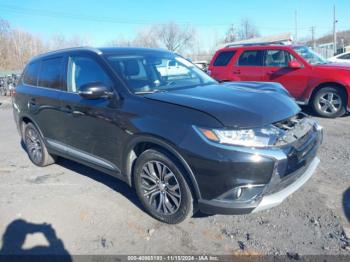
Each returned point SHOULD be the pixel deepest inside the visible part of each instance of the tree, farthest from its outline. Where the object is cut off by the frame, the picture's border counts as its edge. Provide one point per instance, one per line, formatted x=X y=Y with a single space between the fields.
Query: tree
x=170 y=36
x=175 y=38
x=4 y=42
x=147 y=37
x=247 y=30
x=230 y=35
x=59 y=41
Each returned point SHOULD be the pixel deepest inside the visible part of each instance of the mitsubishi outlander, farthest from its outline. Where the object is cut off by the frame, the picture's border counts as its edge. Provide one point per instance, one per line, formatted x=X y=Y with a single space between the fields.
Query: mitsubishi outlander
x=183 y=141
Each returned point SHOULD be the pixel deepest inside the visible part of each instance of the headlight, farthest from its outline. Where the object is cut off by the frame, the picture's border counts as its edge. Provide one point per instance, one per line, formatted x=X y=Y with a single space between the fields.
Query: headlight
x=257 y=137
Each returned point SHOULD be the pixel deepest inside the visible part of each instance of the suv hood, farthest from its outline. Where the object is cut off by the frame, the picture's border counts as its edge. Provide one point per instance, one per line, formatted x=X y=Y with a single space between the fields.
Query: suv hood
x=237 y=105
x=341 y=66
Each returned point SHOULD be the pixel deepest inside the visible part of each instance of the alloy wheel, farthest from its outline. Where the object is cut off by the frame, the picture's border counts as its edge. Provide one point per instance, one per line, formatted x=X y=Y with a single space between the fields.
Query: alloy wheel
x=329 y=103
x=160 y=187
x=33 y=144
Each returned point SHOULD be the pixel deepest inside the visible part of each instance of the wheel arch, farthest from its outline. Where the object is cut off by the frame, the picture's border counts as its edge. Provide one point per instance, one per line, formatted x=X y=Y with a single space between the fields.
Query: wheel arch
x=144 y=142
x=328 y=84
x=25 y=120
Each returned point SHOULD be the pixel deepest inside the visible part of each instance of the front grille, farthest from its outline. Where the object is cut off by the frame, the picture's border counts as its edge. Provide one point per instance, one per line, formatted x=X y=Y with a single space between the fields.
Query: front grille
x=293 y=129
x=299 y=140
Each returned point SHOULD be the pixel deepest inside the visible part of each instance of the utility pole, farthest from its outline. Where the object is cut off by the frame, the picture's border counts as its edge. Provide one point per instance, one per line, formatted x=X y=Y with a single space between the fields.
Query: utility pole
x=296 y=26
x=334 y=33
x=313 y=37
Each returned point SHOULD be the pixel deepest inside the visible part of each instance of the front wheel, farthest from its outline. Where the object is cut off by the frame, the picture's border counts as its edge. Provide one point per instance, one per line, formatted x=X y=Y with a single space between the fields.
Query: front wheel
x=329 y=102
x=162 y=188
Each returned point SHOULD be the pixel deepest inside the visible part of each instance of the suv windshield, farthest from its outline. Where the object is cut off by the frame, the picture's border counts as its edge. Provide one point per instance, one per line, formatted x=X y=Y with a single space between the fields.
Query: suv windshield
x=310 y=56
x=149 y=73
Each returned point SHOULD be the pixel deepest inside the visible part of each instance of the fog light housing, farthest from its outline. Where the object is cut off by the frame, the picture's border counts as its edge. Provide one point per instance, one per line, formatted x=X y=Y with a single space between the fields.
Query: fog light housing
x=244 y=193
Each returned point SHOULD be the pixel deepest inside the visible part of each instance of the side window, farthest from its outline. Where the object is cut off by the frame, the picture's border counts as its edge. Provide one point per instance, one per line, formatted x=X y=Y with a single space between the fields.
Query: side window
x=251 y=58
x=223 y=58
x=50 y=74
x=30 y=76
x=346 y=56
x=278 y=58
x=84 y=70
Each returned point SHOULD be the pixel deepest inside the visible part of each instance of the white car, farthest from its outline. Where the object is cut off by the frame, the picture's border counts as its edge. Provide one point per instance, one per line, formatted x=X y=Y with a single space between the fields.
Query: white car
x=341 y=58
x=203 y=65
x=172 y=69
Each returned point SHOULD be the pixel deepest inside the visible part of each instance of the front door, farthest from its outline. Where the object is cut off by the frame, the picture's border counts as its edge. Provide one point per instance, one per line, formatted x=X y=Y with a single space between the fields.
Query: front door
x=90 y=130
x=276 y=70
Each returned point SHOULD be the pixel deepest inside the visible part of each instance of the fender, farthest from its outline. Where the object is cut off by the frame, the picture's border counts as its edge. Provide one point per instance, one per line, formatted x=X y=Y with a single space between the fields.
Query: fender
x=20 y=122
x=129 y=157
x=314 y=84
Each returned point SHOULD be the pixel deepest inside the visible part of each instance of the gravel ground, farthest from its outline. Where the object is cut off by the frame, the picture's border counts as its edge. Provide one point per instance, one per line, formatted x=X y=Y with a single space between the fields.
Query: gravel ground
x=70 y=208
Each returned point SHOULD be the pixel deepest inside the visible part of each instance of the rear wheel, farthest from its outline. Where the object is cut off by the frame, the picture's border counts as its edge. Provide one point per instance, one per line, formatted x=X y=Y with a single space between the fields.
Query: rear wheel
x=35 y=146
x=162 y=188
x=329 y=102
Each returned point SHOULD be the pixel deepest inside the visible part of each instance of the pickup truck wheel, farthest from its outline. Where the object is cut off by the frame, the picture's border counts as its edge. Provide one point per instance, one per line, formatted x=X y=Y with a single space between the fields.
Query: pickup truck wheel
x=35 y=146
x=329 y=102
x=162 y=188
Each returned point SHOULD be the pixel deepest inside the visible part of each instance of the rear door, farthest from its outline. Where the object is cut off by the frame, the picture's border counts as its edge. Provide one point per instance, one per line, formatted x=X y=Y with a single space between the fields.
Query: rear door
x=249 y=66
x=44 y=90
x=276 y=69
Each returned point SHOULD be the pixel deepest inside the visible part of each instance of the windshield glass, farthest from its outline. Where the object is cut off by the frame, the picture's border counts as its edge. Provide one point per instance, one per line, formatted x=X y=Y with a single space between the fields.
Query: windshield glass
x=310 y=56
x=157 y=72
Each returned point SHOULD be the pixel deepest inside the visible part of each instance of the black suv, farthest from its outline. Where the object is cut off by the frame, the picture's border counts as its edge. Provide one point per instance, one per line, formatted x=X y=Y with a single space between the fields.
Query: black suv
x=154 y=120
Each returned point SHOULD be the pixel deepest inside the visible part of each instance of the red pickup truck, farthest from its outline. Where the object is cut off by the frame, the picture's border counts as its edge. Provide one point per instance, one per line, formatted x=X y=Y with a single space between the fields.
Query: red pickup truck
x=308 y=77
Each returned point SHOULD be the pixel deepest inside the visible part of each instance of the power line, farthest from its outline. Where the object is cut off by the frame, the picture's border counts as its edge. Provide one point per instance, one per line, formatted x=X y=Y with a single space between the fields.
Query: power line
x=99 y=19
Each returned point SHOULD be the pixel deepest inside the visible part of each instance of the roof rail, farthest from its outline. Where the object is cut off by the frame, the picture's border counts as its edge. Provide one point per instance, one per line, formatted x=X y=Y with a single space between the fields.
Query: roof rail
x=253 y=44
x=279 y=39
x=92 y=49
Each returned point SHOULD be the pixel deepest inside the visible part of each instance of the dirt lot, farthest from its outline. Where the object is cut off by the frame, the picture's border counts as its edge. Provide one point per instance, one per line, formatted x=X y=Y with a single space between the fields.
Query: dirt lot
x=69 y=208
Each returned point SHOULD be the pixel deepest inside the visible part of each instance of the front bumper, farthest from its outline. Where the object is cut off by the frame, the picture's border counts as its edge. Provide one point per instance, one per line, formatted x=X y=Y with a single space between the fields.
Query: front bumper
x=294 y=166
x=275 y=199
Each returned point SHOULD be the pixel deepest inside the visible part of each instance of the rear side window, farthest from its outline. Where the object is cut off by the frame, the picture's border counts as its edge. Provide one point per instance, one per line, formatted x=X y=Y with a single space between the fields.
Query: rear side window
x=251 y=58
x=50 y=74
x=223 y=58
x=31 y=74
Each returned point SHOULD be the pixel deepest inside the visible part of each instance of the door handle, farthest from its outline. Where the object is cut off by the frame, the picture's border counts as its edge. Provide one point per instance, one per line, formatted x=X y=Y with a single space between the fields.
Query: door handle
x=32 y=102
x=32 y=105
x=237 y=72
x=270 y=73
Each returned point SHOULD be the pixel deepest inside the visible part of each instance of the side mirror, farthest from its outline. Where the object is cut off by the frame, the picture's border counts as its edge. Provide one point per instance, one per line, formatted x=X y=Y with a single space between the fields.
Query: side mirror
x=294 y=64
x=94 y=90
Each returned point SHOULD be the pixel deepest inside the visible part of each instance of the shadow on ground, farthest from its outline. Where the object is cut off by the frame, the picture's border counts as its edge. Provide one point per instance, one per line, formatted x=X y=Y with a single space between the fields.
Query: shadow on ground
x=346 y=204
x=111 y=182
x=15 y=236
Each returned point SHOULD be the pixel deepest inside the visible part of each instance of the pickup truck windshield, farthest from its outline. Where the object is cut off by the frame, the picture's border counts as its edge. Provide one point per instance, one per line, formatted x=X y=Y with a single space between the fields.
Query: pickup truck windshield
x=310 y=56
x=160 y=72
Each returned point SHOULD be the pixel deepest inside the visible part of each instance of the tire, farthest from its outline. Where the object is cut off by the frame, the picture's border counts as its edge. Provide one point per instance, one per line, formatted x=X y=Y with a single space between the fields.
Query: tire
x=35 y=146
x=152 y=187
x=329 y=102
